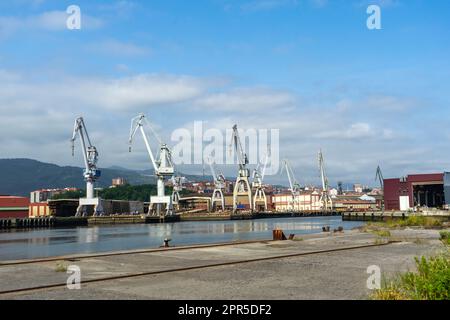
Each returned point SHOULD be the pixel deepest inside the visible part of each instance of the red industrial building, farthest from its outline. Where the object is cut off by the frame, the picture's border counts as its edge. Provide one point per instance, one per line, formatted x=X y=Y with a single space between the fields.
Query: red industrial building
x=14 y=207
x=417 y=190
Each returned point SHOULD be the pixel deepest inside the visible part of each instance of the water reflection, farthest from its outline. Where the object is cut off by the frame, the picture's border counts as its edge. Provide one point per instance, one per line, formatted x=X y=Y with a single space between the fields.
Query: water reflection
x=52 y=242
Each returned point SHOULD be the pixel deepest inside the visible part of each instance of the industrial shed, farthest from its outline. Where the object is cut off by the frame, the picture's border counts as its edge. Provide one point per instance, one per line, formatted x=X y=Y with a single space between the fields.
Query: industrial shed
x=417 y=190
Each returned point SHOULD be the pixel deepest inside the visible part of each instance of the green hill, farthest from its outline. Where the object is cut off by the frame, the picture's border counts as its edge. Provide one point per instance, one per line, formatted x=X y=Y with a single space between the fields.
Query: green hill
x=21 y=176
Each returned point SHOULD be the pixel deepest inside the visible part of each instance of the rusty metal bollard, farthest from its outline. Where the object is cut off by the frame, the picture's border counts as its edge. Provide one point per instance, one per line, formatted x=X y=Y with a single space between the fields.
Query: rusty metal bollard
x=278 y=235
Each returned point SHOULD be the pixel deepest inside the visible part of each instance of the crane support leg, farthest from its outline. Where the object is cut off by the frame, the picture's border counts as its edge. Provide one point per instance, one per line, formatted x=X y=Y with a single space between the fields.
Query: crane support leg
x=217 y=197
x=242 y=188
x=260 y=196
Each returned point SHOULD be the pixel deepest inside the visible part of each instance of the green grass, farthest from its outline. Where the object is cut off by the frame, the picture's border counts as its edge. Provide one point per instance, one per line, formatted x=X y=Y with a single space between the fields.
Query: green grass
x=411 y=221
x=445 y=237
x=61 y=267
x=430 y=282
x=383 y=233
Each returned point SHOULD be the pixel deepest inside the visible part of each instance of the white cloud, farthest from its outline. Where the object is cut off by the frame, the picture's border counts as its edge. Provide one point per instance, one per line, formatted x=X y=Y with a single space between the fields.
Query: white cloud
x=37 y=119
x=115 y=47
x=247 y=100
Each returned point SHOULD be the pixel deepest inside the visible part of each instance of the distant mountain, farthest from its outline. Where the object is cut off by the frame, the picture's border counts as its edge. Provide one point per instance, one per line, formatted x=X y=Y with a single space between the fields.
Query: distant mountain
x=21 y=176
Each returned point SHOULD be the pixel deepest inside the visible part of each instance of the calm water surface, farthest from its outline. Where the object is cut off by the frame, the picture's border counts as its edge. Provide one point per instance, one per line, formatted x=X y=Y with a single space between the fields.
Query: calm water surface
x=15 y=244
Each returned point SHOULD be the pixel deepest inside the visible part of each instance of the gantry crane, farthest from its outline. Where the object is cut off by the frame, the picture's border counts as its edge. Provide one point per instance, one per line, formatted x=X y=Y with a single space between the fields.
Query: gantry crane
x=242 y=186
x=219 y=186
x=257 y=184
x=163 y=166
x=91 y=173
x=294 y=186
x=379 y=177
x=325 y=198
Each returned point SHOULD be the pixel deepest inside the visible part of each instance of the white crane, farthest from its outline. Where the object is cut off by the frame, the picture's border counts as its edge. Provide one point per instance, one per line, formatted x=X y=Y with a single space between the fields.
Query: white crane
x=163 y=166
x=242 y=186
x=294 y=186
x=91 y=173
x=219 y=186
x=257 y=184
x=177 y=187
x=325 y=198
x=379 y=177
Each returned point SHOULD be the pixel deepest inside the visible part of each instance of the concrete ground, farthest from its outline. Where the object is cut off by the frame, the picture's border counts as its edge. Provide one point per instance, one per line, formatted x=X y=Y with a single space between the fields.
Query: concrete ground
x=336 y=275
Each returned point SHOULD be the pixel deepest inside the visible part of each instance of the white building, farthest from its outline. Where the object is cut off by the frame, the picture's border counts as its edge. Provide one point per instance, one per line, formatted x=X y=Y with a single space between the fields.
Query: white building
x=305 y=201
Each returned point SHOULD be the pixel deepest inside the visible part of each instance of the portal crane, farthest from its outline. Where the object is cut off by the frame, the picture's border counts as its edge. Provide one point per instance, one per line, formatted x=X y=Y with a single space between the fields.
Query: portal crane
x=379 y=177
x=163 y=165
x=294 y=186
x=91 y=173
x=242 y=186
x=219 y=186
x=325 y=198
x=257 y=184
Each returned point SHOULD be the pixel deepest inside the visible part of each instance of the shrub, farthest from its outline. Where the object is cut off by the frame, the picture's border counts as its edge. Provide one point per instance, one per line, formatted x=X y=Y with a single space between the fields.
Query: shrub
x=430 y=282
x=445 y=237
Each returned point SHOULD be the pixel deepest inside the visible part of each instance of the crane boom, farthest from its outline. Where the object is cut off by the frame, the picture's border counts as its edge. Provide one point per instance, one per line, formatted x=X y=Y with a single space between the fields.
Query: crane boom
x=325 y=197
x=242 y=156
x=294 y=186
x=242 y=185
x=323 y=177
x=91 y=173
x=219 y=179
x=379 y=177
x=90 y=154
x=163 y=165
x=138 y=123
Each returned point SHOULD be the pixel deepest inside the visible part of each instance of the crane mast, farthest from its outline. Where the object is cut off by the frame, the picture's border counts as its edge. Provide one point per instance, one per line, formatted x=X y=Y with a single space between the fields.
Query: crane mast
x=257 y=184
x=379 y=177
x=294 y=186
x=242 y=186
x=177 y=185
x=163 y=165
x=91 y=173
x=325 y=198
x=219 y=186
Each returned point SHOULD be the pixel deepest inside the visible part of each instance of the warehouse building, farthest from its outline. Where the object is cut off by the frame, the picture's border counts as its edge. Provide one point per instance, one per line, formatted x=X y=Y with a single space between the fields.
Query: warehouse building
x=417 y=190
x=305 y=201
x=13 y=207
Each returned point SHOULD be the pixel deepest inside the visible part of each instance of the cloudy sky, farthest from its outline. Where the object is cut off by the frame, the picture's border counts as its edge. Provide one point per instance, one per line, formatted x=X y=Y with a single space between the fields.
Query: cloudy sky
x=310 y=68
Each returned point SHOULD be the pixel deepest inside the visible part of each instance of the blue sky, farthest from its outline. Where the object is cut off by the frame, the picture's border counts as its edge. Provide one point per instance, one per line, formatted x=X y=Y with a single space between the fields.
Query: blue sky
x=310 y=68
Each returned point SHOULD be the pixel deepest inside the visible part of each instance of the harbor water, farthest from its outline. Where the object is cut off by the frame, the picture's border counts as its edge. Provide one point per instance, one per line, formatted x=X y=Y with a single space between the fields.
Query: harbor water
x=40 y=243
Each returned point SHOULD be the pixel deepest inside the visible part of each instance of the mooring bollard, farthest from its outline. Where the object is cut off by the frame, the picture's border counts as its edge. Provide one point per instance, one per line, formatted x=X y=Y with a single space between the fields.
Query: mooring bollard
x=278 y=235
x=166 y=243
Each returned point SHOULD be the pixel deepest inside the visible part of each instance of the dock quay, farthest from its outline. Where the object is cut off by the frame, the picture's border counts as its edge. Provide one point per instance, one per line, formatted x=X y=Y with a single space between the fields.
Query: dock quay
x=386 y=215
x=47 y=222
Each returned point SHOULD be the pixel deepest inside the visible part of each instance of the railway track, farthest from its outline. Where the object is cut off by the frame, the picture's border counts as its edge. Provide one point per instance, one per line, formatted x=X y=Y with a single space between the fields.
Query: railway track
x=121 y=253
x=191 y=268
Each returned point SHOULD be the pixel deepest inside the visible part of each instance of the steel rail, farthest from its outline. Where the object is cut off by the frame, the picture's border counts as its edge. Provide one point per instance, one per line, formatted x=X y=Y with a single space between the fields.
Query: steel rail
x=121 y=253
